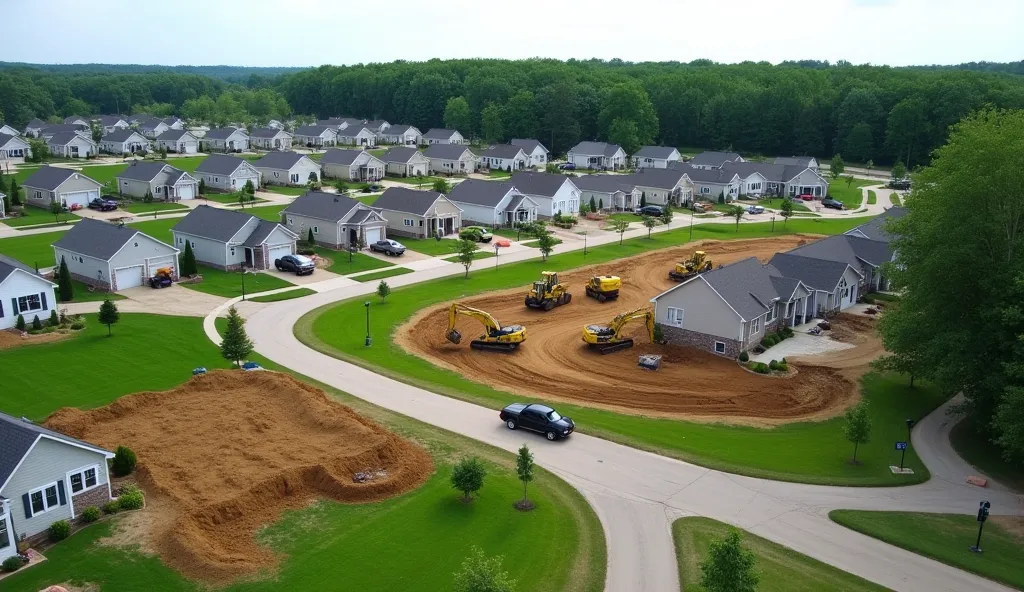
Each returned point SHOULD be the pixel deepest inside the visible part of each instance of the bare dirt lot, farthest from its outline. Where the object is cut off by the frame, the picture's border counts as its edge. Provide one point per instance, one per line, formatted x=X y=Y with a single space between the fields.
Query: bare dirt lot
x=554 y=362
x=226 y=453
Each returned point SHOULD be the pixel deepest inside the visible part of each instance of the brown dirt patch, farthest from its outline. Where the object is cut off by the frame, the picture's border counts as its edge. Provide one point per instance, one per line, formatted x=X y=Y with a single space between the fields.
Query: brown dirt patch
x=1011 y=524
x=852 y=328
x=228 y=452
x=11 y=338
x=554 y=363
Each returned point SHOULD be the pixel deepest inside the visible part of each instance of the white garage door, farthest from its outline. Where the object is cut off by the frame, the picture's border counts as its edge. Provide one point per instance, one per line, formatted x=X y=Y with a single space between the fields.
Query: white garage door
x=373 y=235
x=157 y=262
x=278 y=252
x=186 y=192
x=128 y=277
x=82 y=198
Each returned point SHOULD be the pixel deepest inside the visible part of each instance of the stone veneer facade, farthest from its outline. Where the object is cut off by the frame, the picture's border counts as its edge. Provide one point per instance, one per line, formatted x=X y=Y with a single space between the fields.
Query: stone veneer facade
x=704 y=341
x=97 y=496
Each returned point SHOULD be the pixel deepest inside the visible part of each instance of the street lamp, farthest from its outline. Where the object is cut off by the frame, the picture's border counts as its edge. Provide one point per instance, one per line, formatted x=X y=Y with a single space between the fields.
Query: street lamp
x=584 y=244
x=692 y=216
x=243 y=284
x=903 y=454
x=495 y=255
x=773 y=223
x=367 y=305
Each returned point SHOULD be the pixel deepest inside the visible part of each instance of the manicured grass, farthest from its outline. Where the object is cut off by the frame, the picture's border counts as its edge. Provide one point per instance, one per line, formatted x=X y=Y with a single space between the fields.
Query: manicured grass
x=498 y=174
x=272 y=213
x=780 y=568
x=139 y=207
x=484 y=253
x=33 y=250
x=628 y=217
x=104 y=173
x=285 y=190
x=31 y=216
x=776 y=204
x=975 y=447
x=82 y=294
x=286 y=295
x=945 y=538
x=429 y=246
x=895 y=199
x=379 y=275
x=367 y=199
x=872 y=197
x=230 y=198
x=360 y=261
x=416 y=181
x=851 y=195
x=228 y=284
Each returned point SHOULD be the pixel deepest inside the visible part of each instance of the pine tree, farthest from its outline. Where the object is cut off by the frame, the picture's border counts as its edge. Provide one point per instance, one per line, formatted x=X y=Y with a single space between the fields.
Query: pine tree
x=643 y=198
x=109 y=315
x=19 y=323
x=236 y=345
x=36 y=323
x=593 y=204
x=15 y=194
x=188 y=261
x=64 y=285
x=310 y=238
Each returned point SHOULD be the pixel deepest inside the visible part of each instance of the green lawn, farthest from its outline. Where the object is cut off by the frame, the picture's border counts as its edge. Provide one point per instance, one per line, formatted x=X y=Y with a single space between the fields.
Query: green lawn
x=780 y=568
x=416 y=181
x=776 y=204
x=163 y=207
x=228 y=284
x=31 y=215
x=104 y=173
x=82 y=293
x=286 y=295
x=872 y=197
x=946 y=538
x=360 y=261
x=367 y=199
x=429 y=246
x=186 y=163
x=286 y=190
x=498 y=174
x=976 y=448
x=229 y=198
x=895 y=199
x=379 y=275
x=851 y=195
x=484 y=253
x=272 y=213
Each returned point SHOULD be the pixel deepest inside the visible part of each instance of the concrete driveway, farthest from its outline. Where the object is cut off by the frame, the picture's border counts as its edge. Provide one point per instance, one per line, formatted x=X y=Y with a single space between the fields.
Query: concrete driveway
x=320 y=275
x=174 y=300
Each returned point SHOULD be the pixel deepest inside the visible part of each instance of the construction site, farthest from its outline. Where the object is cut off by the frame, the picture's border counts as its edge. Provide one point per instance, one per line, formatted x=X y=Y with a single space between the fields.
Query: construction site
x=554 y=363
x=227 y=452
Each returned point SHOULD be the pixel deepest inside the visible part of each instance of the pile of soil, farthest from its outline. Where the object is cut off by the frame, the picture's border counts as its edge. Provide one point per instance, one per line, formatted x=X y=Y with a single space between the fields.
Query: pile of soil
x=852 y=328
x=229 y=451
x=554 y=363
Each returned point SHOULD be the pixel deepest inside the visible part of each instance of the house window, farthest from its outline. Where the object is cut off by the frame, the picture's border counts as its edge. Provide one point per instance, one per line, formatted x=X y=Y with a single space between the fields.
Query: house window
x=719 y=347
x=295 y=178
x=37 y=195
x=705 y=190
x=755 y=326
x=290 y=220
x=83 y=479
x=675 y=316
x=316 y=230
x=4 y=536
x=44 y=499
x=276 y=174
x=232 y=251
x=29 y=303
x=408 y=222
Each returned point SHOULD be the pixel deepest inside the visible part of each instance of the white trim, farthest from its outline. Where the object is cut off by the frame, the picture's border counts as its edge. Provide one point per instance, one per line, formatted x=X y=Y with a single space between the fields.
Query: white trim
x=716 y=347
x=46 y=507
x=18 y=466
x=82 y=470
x=673 y=288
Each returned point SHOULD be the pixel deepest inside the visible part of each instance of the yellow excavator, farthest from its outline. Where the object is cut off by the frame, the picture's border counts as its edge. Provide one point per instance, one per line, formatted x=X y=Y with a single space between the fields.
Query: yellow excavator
x=604 y=287
x=548 y=292
x=496 y=337
x=608 y=338
x=697 y=264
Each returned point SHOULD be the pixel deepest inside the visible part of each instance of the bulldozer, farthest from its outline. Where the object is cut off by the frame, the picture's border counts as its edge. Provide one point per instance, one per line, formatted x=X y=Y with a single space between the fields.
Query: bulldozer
x=496 y=337
x=608 y=338
x=548 y=292
x=604 y=287
x=697 y=264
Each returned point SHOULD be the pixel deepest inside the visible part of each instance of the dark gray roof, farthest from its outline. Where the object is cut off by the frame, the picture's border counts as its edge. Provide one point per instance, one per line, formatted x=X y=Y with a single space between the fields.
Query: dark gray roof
x=360 y=217
x=711 y=158
x=50 y=177
x=848 y=249
x=219 y=164
x=480 y=192
x=804 y=161
x=279 y=160
x=876 y=228
x=605 y=183
x=63 y=138
x=152 y=123
x=60 y=128
x=655 y=152
x=4 y=138
x=777 y=173
x=746 y=285
x=340 y=156
x=545 y=184
x=528 y=145
x=74 y=118
x=402 y=199
x=602 y=148
x=784 y=286
x=17 y=437
x=313 y=130
x=35 y=124
x=353 y=130
x=222 y=133
x=439 y=133
x=399 y=154
x=445 y=151
x=121 y=135
x=820 y=274
x=515 y=201
x=659 y=178
x=97 y=239
x=705 y=175
x=265 y=132
x=213 y=223
x=172 y=135
x=397 y=130
x=323 y=206
x=503 y=151
x=375 y=123
x=9 y=264
x=260 y=233
x=170 y=120
x=110 y=119
x=145 y=171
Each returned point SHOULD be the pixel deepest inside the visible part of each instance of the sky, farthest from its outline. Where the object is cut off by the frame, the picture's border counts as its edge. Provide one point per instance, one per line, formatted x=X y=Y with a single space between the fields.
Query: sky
x=339 y=32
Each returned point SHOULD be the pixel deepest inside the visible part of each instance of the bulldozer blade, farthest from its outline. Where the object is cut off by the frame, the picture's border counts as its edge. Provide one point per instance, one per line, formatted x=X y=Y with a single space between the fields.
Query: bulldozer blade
x=454 y=336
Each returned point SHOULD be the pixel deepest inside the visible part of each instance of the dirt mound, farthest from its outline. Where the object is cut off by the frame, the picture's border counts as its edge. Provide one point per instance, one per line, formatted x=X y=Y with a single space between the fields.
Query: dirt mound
x=554 y=362
x=226 y=453
x=852 y=328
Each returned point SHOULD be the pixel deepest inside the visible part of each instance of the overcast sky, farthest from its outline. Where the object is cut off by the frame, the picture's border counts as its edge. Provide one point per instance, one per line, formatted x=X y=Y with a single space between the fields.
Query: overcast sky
x=315 y=32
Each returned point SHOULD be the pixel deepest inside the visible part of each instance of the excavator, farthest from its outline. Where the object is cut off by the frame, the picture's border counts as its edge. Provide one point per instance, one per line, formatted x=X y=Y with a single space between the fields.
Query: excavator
x=697 y=264
x=496 y=338
x=608 y=338
x=548 y=292
x=604 y=287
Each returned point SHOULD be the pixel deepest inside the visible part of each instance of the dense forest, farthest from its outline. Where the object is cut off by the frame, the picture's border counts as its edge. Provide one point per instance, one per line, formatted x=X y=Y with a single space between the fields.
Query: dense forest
x=239 y=74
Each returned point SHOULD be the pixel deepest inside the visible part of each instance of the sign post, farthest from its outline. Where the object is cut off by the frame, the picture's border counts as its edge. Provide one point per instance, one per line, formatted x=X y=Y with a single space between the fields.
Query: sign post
x=982 y=516
x=902 y=447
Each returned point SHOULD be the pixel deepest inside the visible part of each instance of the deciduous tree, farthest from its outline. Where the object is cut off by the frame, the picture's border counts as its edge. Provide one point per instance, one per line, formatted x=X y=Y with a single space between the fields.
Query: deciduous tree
x=466 y=250
x=491 y=125
x=620 y=226
x=857 y=426
x=457 y=115
x=109 y=315
x=524 y=470
x=468 y=477
x=729 y=567
x=480 y=573
x=383 y=290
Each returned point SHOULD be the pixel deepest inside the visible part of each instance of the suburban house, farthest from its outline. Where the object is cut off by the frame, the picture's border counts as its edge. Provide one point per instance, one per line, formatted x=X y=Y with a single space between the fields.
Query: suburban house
x=357 y=135
x=13 y=149
x=45 y=476
x=338 y=222
x=876 y=229
x=179 y=141
x=443 y=136
x=405 y=135
x=377 y=126
x=152 y=127
x=505 y=157
x=492 y=203
x=833 y=284
x=662 y=186
x=597 y=155
x=175 y=123
x=287 y=168
x=34 y=128
x=863 y=254
x=316 y=135
x=3 y=213
x=162 y=181
x=50 y=131
x=655 y=157
x=71 y=145
x=352 y=165
x=616 y=192
x=270 y=138
x=762 y=178
x=450 y=159
x=535 y=151
x=418 y=214
x=226 y=139
x=70 y=188
x=23 y=292
x=124 y=141
x=405 y=161
x=226 y=172
x=231 y=239
x=112 y=257
x=6 y=129
x=714 y=160
x=77 y=120
x=112 y=123
x=805 y=161
x=339 y=123
x=710 y=183
x=551 y=193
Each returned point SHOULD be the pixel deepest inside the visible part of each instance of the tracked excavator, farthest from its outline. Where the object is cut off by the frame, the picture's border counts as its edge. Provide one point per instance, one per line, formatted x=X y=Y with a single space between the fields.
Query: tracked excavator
x=697 y=264
x=608 y=338
x=495 y=337
x=548 y=292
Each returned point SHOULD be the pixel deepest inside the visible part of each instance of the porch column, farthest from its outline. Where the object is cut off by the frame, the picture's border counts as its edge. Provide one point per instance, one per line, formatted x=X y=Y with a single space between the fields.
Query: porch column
x=805 y=309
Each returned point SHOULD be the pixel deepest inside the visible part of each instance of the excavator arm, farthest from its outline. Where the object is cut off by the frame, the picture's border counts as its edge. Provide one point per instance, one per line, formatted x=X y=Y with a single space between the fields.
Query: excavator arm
x=621 y=320
x=608 y=339
x=456 y=309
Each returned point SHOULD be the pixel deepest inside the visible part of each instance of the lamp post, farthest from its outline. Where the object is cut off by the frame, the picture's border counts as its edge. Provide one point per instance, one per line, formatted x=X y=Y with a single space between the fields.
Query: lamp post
x=495 y=255
x=982 y=516
x=243 y=284
x=367 y=305
x=692 y=215
x=773 y=223
x=903 y=455
x=584 y=244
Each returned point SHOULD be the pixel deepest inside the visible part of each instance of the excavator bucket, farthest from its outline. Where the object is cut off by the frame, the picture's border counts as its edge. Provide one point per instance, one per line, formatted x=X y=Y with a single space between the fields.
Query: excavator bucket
x=454 y=336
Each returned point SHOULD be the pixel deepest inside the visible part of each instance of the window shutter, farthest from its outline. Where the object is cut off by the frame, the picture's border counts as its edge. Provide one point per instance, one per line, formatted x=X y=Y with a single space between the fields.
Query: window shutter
x=60 y=493
x=1 y=309
x=14 y=306
x=42 y=296
x=28 y=505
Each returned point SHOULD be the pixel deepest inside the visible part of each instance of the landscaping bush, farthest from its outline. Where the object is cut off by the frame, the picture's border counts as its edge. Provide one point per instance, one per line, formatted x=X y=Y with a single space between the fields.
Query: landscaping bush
x=760 y=368
x=131 y=498
x=305 y=251
x=111 y=507
x=773 y=365
x=37 y=325
x=787 y=332
x=77 y=326
x=124 y=461
x=12 y=563
x=91 y=514
x=19 y=324
x=783 y=367
x=60 y=530
x=659 y=334
x=54 y=319
x=744 y=357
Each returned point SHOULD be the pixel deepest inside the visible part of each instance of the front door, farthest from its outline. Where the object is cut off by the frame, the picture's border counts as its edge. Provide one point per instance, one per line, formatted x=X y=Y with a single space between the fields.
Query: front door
x=248 y=257
x=353 y=237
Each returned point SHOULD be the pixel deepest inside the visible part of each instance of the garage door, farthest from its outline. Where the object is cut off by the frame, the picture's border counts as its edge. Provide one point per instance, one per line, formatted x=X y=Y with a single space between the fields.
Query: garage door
x=157 y=262
x=278 y=252
x=373 y=235
x=128 y=277
x=82 y=198
x=186 y=192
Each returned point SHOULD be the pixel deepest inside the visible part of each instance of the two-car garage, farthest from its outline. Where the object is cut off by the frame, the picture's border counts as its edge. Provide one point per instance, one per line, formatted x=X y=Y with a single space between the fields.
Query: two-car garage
x=78 y=199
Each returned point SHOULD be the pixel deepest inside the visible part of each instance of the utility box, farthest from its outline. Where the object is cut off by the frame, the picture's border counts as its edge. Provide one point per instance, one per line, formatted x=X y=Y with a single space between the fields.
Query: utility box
x=650 y=361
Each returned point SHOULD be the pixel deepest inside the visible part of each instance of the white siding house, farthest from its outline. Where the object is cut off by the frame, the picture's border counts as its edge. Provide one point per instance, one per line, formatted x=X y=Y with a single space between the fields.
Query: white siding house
x=227 y=173
x=24 y=292
x=551 y=193
x=287 y=168
x=231 y=239
x=178 y=141
x=226 y=139
x=450 y=159
x=597 y=155
x=270 y=138
x=357 y=135
x=402 y=135
x=505 y=157
x=443 y=136
x=112 y=257
x=537 y=152
x=70 y=188
x=124 y=141
x=13 y=149
x=71 y=145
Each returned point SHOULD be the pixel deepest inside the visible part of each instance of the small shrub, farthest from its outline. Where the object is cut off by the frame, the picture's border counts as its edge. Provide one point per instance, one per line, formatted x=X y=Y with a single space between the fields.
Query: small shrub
x=37 y=325
x=788 y=332
x=19 y=324
x=12 y=563
x=773 y=365
x=111 y=507
x=306 y=252
x=131 y=498
x=783 y=367
x=91 y=514
x=124 y=461
x=760 y=368
x=744 y=357
x=54 y=319
x=77 y=326
x=60 y=530
x=783 y=361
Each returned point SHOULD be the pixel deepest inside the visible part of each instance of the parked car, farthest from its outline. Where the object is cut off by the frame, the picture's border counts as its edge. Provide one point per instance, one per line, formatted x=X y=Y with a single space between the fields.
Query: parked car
x=900 y=184
x=755 y=210
x=650 y=211
x=388 y=247
x=476 y=233
x=568 y=166
x=300 y=264
x=831 y=203
x=537 y=418
x=807 y=197
x=103 y=204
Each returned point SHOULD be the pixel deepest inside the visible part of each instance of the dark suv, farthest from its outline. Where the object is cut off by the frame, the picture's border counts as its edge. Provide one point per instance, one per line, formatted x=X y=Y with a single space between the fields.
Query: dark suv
x=103 y=204
x=297 y=263
x=655 y=211
x=831 y=203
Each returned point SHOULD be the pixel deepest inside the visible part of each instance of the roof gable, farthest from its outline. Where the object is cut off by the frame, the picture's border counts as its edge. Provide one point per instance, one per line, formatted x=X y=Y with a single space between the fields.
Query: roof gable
x=712 y=158
x=542 y=184
x=223 y=133
x=323 y=206
x=215 y=224
x=402 y=199
x=281 y=160
x=123 y=135
x=51 y=177
x=480 y=192
x=100 y=240
x=147 y=171
x=18 y=436
x=658 y=152
x=220 y=164
x=402 y=154
x=529 y=145
x=504 y=151
x=447 y=151
x=439 y=133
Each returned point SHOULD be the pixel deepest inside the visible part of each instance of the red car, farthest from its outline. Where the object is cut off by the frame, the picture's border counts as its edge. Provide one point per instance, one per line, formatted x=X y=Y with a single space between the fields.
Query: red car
x=807 y=197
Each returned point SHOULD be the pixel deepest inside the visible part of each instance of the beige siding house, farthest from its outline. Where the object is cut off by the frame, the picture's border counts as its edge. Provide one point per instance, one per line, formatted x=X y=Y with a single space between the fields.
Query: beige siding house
x=418 y=214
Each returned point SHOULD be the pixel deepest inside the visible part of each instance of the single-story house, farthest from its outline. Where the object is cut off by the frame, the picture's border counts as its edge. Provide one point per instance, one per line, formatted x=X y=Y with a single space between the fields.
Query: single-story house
x=339 y=123
x=287 y=168
x=70 y=145
x=833 y=285
x=405 y=135
x=112 y=257
x=662 y=186
x=352 y=165
x=492 y=203
x=762 y=178
x=162 y=181
x=863 y=254
x=338 y=222
x=45 y=476
x=537 y=152
x=405 y=161
x=175 y=123
x=615 y=192
x=710 y=183
x=270 y=138
x=226 y=139
x=316 y=135
x=152 y=127
x=552 y=193
x=13 y=149
x=23 y=292
x=450 y=159
x=710 y=159
x=443 y=136
x=34 y=128
x=597 y=155
x=124 y=141
x=226 y=172
x=418 y=214
x=377 y=126
x=505 y=157
x=805 y=161
x=179 y=141
x=112 y=123
x=357 y=135
x=877 y=229
x=70 y=188
x=655 y=157
x=77 y=120
x=48 y=132
x=232 y=239
x=6 y=129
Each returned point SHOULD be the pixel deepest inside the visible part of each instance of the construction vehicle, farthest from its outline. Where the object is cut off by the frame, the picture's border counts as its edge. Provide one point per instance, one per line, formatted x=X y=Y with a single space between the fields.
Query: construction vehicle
x=697 y=264
x=162 y=279
x=548 y=292
x=496 y=337
x=608 y=338
x=604 y=287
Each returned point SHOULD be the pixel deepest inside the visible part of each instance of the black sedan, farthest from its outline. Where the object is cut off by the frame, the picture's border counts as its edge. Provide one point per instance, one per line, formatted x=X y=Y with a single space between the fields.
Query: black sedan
x=831 y=203
x=388 y=247
x=655 y=211
x=297 y=263
x=537 y=418
x=103 y=204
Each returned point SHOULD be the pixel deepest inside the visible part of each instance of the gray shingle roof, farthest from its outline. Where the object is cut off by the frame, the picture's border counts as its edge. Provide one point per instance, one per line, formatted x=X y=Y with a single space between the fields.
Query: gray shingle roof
x=17 y=437
x=397 y=130
x=260 y=233
x=605 y=183
x=63 y=127
x=401 y=199
x=712 y=158
x=74 y=118
x=776 y=173
x=746 y=285
x=220 y=164
x=528 y=145
x=720 y=176
x=50 y=177
x=503 y=151
x=784 y=286
x=875 y=229
x=313 y=130
x=655 y=152
x=4 y=139
x=820 y=274
x=804 y=161
x=110 y=119
x=96 y=239
x=265 y=132
x=172 y=135
x=544 y=184
x=602 y=148
x=35 y=124
x=480 y=192
x=353 y=130
x=279 y=160
x=152 y=123
x=145 y=171
x=848 y=249
x=339 y=156
x=401 y=154
x=64 y=138
x=9 y=264
x=120 y=135
x=213 y=223
x=658 y=178
x=516 y=200
x=446 y=151
x=323 y=206
x=439 y=133
x=222 y=133
x=375 y=124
